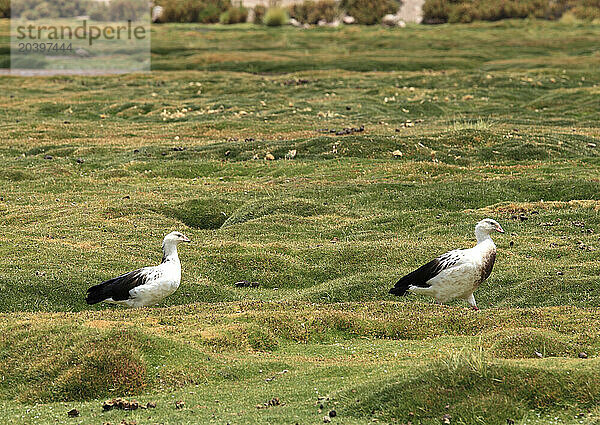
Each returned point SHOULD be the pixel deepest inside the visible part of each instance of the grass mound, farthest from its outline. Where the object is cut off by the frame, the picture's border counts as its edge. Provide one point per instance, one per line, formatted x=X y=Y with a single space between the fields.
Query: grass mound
x=266 y=207
x=111 y=365
x=347 y=288
x=206 y=291
x=15 y=175
x=246 y=336
x=48 y=362
x=203 y=213
x=471 y=388
x=525 y=342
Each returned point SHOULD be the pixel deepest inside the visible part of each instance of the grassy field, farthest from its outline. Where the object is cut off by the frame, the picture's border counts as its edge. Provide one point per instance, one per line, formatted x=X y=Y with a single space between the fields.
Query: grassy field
x=230 y=141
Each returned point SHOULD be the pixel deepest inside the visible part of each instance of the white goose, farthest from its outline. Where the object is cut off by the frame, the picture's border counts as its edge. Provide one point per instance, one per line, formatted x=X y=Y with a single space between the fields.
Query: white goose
x=146 y=286
x=455 y=274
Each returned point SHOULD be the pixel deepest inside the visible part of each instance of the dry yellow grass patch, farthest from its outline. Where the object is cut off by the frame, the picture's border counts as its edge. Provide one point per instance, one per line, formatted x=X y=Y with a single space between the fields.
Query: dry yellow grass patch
x=526 y=207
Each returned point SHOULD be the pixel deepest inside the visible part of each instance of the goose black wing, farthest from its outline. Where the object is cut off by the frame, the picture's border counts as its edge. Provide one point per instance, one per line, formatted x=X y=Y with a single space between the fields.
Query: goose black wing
x=117 y=288
x=423 y=274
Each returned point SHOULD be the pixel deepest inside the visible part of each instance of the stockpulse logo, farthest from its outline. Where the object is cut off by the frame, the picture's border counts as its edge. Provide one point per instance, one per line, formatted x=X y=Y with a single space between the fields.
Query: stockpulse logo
x=89 y=33
x=91 y=37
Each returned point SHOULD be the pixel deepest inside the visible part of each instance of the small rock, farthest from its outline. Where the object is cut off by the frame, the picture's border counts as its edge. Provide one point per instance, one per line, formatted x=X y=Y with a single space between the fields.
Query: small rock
x=151 y=405
x=326 y=419
x=136 y=151
x=269 y=156
x=348 y=108
x=583 y=355
x=397 y=153
x=511 y=244
x=510 y=422
x=538 y=354
x=446 y=419
x=591 y=145
x=291 y=154
x=79 y=160
x=178 y=149
x=332 y=414
x=294 y=22
x=179 y=404
x=73 y=413
x=126 y=197
x=47 y=156
x=348 y=20
x=559 y=273
x=66 y=122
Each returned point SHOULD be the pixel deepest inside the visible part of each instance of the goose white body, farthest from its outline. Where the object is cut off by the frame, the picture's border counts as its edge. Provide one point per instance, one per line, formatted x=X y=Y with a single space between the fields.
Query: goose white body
x=463 y=278
x=161 y=281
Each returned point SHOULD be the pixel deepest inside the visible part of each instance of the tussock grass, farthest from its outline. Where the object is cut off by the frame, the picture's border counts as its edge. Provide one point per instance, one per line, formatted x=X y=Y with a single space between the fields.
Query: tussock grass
x=472 y=389
x=95 y=354
x=479 y=125
x=269 y=207
x=532 y=342
x=206 y=213
x=53 y=362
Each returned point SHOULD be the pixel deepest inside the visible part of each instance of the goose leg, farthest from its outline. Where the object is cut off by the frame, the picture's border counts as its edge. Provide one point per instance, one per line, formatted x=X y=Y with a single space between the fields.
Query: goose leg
x=472 y=303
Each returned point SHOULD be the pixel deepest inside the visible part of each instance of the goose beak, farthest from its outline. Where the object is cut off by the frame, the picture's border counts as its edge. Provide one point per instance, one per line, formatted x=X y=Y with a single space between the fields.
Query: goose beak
x=185 y=239
x=500 y=229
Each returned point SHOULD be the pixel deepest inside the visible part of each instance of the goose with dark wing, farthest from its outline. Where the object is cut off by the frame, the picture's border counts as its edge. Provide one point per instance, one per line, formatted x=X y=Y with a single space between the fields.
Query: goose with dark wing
x=146 y=286
x=455 y=274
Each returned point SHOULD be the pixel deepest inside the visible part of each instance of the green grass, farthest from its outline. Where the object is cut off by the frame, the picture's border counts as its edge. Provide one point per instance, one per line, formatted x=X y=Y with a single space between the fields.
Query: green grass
x=364 y=360
x=493 y=120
